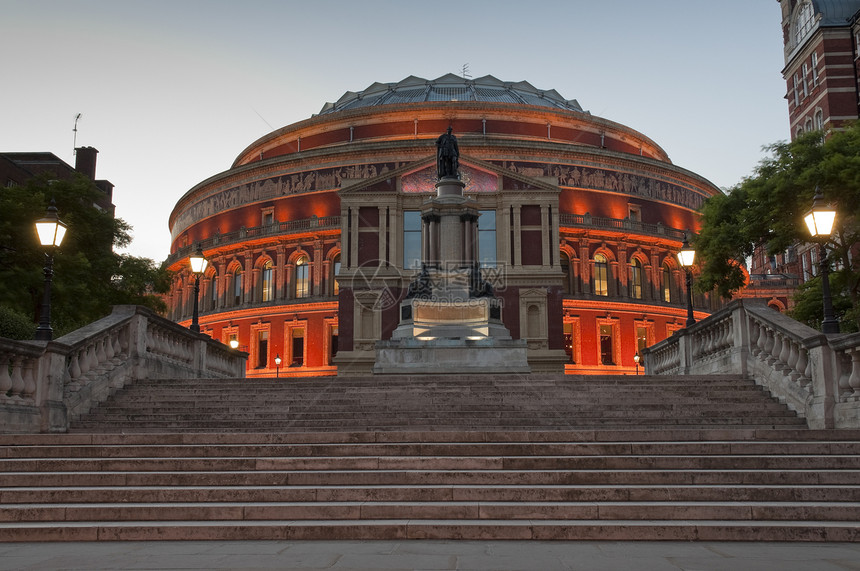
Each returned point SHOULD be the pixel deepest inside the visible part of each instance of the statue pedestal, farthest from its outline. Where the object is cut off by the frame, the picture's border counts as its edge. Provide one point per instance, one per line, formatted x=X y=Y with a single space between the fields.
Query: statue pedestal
x=453 y=324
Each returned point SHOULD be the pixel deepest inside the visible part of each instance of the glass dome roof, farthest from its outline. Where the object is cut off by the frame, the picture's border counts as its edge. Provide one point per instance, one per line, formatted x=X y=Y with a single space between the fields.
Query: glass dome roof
x=451 y=87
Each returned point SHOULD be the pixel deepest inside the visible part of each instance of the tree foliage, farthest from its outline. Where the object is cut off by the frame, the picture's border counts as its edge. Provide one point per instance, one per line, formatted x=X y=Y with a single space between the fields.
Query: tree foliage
x=89 y=277
x=766 y=210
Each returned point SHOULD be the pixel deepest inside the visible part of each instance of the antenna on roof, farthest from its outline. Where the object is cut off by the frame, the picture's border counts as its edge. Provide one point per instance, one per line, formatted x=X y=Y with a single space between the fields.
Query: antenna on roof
x=464 y=71
x=75 y=139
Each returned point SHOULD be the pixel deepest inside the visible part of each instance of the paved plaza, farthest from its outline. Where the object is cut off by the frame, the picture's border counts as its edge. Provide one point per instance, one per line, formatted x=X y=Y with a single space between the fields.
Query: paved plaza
x=431 y=555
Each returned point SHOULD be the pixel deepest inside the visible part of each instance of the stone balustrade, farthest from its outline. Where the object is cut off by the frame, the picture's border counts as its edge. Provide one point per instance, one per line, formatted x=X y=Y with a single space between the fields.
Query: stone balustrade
x=43 y=385
x=815 y=374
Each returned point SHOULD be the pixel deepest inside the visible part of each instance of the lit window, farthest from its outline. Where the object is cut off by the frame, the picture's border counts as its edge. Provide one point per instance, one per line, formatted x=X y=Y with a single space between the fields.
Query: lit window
x=601 y=275
x=267 y=282
x=635 y=279
x=641 y=339
x=335 y=287
x=667 y=283
x=411 y=239
x=487 y=238
x=302 y=278
x=569 y=341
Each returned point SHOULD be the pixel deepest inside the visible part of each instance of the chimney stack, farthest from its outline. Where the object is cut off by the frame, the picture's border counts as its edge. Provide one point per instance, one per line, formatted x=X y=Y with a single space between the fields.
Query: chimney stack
x=85 y=161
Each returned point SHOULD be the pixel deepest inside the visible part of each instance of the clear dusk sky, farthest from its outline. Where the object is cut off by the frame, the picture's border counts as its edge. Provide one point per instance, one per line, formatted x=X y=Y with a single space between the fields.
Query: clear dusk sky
x=171 y=91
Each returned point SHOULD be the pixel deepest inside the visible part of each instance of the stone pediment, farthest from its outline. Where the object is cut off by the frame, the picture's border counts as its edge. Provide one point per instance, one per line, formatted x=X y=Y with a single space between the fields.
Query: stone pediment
x=419 y=177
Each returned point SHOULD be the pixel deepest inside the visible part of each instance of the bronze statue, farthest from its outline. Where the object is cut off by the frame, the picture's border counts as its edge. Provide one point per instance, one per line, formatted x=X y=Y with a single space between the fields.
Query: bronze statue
x=447 y=155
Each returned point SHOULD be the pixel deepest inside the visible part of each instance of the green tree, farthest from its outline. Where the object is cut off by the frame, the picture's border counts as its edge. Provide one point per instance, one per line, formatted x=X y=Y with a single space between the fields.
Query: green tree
x=766 y=210
x=89 y=277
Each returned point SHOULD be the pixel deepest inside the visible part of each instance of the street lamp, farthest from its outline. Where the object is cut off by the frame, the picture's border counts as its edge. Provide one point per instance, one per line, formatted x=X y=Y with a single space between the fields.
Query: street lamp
x=51 y=231
x=234 y=343
x=198 y=266
x=820 y=220
x=277 y=365
x=636 y=359
x=685 y=258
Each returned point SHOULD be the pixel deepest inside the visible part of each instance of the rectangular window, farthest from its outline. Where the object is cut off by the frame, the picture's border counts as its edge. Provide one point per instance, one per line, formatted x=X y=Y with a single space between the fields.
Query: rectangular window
x=298 y=347
x=569 y=341
x=641 y=339
x=411 y=239
x=333 y=344
x=487 y=238
x=606 y=356
x=268 y=293
x=814 y=68
x=805 y=84
x=262 y=349
x=634 y=212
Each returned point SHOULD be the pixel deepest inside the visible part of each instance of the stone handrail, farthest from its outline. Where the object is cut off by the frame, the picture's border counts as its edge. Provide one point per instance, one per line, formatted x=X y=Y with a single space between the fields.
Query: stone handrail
x=44 y=385
x=816 y=375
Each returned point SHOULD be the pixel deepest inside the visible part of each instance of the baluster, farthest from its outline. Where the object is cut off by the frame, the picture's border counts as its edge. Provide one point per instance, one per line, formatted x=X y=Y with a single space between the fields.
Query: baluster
x=854 y=380
x=785 y=353
x=5 y=378
x=109 y=352
x=101 y=356
x=75 y=366
x=755 y=337
x=29 y=379
x=775 y=349
x=768 y=344
x=801 y=365
x=17 y=380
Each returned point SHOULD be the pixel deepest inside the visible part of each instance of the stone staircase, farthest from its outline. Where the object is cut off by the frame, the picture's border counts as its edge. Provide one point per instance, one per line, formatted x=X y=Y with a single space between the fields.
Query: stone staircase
x=425 y=402
x=488 y=457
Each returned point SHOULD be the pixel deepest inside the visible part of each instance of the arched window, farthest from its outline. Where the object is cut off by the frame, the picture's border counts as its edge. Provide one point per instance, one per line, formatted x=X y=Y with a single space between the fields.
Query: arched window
x=803 y=22
x=601 y=275
x=236 y=287
x=335 y=270
x=267 y=282
x=819 y=120
x=667 y=283
x=635 y=279
x=565 y=273
x=302 y=278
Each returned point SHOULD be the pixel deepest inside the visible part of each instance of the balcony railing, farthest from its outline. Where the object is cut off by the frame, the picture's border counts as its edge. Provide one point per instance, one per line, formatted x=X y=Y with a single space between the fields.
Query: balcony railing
x=275 y=229
x=587 y=220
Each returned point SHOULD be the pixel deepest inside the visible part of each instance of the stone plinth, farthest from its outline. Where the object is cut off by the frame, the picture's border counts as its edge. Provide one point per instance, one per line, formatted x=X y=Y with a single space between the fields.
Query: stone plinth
x=451 y=356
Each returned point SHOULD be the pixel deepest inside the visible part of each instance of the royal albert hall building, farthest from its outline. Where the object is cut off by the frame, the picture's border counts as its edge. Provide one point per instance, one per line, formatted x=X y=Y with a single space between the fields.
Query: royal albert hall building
x=315 y=232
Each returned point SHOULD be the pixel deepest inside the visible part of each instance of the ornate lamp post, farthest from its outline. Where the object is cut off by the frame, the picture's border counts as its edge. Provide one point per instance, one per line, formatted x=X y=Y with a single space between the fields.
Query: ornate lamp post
x=277 y=365
x=685 y=258
x=51 y=231
x=198 y=266
x=636 y=359
x=820 y=220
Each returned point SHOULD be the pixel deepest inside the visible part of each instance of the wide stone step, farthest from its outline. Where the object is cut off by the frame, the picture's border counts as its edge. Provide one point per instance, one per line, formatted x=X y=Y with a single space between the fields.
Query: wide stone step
x=433 y=493
x=434 y=477
x=451 y=510
x=571 y=530
x=454 y=463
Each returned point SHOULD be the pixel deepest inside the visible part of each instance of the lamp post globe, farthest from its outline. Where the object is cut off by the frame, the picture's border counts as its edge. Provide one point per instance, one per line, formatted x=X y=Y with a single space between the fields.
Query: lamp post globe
x=51 y=231
x=686 y=257
x=819 y=220
x=277 y=365
x=198 y=266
